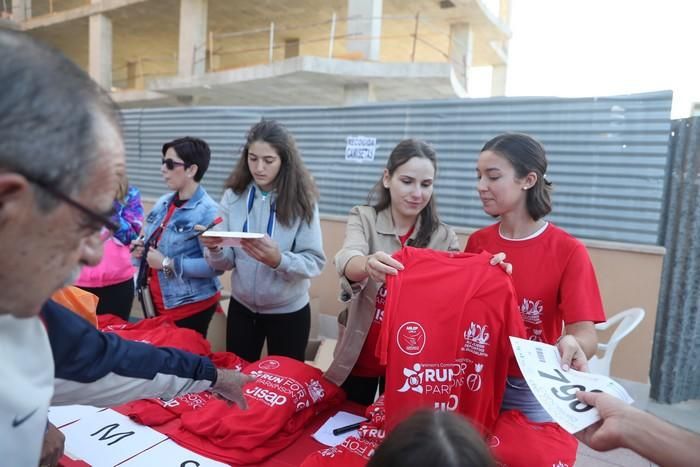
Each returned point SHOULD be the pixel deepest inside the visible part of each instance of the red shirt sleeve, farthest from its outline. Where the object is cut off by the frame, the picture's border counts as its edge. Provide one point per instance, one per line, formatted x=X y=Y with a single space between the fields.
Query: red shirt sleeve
x=579 y=295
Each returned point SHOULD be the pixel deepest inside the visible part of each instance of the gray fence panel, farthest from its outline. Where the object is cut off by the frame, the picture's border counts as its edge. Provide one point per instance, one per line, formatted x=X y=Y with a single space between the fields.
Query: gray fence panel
x=675 y=364
x=607 y=155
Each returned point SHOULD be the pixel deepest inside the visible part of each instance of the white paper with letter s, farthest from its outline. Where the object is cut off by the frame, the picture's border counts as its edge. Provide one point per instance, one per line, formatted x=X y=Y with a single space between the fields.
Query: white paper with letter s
x=231 y=238
x=555 y=389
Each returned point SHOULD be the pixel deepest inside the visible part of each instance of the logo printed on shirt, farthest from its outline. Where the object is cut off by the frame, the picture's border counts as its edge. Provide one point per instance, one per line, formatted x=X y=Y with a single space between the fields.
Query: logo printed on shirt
x=474 y=379
x=269 y=364
x=330 y=452
x=363 y=449
x=379 y=304
x=492 y=441
x=18 y=421
x=560 y=464
x=433 y=378
x=476 y=339
x=531 y=311
x=316 y=390
x=270 y=398
x=535 y=334
x=411 y=338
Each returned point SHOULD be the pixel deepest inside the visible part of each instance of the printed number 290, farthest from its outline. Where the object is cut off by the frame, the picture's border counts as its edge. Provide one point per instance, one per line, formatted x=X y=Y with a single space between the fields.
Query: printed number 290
x=567 y=391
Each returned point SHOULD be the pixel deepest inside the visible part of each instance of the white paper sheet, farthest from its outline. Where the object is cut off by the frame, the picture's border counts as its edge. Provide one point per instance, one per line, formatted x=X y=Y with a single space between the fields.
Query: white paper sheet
x=231 y=238
x=65 y=414
x=324 y=435
x=170 y=453
x=555 y=388
x=107 y=438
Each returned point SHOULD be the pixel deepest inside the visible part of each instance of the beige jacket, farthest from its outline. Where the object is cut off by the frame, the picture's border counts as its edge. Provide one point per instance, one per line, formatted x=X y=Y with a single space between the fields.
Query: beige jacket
x=368 y=232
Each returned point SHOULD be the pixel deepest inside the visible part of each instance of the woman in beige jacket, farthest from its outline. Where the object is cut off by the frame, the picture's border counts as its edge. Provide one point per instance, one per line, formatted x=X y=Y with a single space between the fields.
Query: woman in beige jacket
x=401 y=211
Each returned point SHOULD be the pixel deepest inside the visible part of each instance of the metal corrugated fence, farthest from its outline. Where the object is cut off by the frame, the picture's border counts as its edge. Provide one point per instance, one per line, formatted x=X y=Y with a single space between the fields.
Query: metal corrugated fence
x=607 y=155
x=675 y=364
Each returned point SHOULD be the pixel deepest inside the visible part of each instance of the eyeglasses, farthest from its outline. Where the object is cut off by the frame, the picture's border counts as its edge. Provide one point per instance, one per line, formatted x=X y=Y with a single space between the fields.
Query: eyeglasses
x=171 y=164
x=100 y=219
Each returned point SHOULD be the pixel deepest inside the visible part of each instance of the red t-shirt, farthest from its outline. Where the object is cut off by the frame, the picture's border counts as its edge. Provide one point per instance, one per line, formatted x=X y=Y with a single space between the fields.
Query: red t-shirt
x=553 y=277
x=518 y=442
x=367 y=364
x=445 y=335
x=284 y=397
x=154 y=412
x=355 y=450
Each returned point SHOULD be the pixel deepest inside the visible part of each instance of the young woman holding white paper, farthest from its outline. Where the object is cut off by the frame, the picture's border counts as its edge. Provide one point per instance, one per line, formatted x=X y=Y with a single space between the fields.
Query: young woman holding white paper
x=272 y=193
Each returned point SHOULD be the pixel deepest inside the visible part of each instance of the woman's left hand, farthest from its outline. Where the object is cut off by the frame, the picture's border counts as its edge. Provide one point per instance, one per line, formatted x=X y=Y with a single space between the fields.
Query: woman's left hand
x=500 y=259
x=572 y=355
x=263 y=249
x=155 y=259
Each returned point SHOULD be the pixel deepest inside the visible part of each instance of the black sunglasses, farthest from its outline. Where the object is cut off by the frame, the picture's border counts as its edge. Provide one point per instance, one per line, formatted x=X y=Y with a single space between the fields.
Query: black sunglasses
x=171 y=164
x=100 y=219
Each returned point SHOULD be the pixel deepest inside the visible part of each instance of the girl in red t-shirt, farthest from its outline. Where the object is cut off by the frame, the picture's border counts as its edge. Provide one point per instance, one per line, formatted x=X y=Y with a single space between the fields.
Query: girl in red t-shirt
x=552 y=272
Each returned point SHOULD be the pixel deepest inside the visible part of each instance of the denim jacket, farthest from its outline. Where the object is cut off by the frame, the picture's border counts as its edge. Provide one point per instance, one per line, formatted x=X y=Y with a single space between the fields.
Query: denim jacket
x=194 y=280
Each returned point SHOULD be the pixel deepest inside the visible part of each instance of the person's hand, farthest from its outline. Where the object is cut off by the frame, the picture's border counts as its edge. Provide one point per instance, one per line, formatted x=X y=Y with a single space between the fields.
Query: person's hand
x=263 y=249
x=229 y=385
x=155 y=259
x=572 y=355
x=136 y=248
x=52 y=449
x=379 y=264
x=212 y=243
x=607 y=433
x=500 y=259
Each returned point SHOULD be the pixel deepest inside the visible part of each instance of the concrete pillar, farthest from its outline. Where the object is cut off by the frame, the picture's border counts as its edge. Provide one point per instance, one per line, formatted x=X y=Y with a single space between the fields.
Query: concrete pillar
x=461 y=51
x=364 y=21
x=358 y=93
x=193 y=38
x=100 y=54
x=21 y=10
x=498 y=80
x=134 y=75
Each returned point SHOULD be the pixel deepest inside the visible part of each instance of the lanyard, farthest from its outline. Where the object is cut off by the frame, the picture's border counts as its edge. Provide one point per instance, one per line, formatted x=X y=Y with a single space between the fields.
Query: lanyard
x=270 y=220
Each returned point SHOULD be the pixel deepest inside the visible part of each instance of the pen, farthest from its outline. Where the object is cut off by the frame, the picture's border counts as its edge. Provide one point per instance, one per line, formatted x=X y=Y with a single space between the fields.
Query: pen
x=345 y=429
x=216 y=221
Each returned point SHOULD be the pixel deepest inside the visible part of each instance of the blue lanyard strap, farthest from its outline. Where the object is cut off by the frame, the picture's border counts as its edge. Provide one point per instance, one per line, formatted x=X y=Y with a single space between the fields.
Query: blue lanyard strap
x=270 y=221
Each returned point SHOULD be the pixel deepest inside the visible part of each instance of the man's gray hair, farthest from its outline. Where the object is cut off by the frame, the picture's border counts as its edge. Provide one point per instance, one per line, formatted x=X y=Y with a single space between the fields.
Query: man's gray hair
x=49 y=111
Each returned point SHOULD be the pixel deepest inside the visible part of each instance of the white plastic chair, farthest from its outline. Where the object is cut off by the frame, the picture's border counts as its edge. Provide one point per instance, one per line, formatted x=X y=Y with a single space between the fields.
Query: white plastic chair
x=628 y=319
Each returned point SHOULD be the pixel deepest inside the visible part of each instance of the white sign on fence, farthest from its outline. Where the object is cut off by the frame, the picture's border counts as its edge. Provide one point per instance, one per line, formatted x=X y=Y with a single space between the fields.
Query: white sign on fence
x=360 y=148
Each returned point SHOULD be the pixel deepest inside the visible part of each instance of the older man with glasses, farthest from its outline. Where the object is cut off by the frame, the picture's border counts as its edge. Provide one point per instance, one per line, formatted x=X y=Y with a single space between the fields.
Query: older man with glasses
x=61 y=156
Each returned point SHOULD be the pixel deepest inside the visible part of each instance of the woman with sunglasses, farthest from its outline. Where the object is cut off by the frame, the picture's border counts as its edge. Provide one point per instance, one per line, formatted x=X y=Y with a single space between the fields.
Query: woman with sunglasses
x=269 y=192
x=113 y=279
x=181 y=282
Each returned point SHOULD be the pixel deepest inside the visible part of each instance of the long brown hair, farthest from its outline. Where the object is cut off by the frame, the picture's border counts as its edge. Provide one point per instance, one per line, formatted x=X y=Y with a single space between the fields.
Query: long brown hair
x=380 y=197
x=296 y=191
